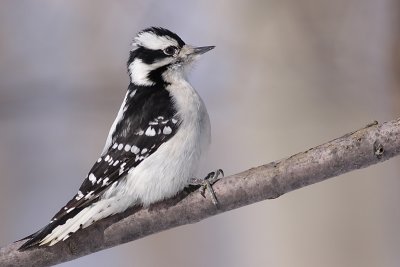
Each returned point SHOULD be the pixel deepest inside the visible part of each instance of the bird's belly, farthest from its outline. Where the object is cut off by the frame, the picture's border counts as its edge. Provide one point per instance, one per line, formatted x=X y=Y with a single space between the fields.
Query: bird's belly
x=168 y=170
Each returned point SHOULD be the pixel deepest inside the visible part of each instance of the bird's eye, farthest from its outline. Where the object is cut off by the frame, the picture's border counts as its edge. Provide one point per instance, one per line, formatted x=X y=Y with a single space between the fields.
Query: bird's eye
x=170 y=50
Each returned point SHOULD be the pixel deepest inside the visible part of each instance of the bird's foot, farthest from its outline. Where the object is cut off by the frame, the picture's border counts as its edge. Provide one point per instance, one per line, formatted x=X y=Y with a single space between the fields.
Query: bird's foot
x=207 y=182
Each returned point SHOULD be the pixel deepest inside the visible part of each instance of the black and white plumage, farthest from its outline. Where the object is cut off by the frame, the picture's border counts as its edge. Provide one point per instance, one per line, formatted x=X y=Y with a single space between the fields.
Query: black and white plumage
x=154 y=144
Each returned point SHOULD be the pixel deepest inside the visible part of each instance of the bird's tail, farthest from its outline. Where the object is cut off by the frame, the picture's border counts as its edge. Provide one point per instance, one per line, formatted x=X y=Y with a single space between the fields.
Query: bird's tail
x=35 y=239
x=63 y=228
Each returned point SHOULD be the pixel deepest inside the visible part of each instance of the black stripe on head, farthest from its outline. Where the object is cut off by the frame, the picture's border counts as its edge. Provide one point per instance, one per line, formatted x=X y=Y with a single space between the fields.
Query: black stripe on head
x=164 y=32
x=146 y=55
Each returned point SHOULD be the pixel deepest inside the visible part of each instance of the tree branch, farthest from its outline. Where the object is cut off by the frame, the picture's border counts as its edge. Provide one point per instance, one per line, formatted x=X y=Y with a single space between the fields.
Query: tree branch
x=359 y=149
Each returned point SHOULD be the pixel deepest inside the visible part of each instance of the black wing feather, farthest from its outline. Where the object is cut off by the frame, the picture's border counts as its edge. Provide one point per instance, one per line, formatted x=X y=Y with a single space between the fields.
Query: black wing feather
x=149 y=120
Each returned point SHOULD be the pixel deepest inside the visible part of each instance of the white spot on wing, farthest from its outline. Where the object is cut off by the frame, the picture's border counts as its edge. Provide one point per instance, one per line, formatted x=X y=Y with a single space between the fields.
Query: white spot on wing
x=105 y=181
x=135 y=149
x=174 y=121
x=127 y=148
x=167 y=130
x=121 y=168
x=144 y=150
x=120 y=146
x=99 y=160
x=115 y=146
x=107 y=158
x=79 y=196
x=140 y=132
x=132 y=94
x=116 y=163
x=71 y=209
x=89 y=195
x=150 y=131
x=92 y=178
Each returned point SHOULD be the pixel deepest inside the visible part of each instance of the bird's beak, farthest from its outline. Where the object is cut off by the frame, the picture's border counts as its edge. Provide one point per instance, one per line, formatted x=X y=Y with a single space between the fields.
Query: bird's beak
x=189 y=53
x=201 y=50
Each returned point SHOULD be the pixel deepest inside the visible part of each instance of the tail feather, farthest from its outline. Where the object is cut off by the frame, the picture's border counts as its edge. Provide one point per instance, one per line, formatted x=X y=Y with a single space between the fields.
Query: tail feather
x=36 y=238
x=60 y=230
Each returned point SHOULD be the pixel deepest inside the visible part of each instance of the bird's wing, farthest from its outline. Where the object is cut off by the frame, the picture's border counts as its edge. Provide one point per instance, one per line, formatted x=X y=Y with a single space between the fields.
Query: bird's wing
x=119 y=159
x=149 y=121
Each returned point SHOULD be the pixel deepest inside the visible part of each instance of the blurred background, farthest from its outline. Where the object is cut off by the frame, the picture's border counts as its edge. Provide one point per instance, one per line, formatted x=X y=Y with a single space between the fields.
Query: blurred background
x=286 y=75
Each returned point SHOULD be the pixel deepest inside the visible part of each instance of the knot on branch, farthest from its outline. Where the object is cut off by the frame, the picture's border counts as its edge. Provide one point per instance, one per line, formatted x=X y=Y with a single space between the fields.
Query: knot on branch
x=378 y=150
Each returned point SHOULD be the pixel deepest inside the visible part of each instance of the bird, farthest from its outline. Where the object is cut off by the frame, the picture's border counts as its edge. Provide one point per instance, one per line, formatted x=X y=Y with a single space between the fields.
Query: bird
x=153 y=147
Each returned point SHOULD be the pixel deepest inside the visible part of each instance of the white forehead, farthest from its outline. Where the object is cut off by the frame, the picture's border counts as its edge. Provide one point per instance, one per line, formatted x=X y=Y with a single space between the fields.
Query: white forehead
x=153 y=41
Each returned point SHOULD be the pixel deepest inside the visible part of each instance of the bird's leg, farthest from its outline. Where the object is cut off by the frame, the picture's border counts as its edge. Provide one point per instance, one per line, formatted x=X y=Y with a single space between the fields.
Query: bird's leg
x=207 y=183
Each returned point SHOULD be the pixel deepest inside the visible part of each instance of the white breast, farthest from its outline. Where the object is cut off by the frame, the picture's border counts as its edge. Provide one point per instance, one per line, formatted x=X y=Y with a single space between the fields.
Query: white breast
x=167 y=170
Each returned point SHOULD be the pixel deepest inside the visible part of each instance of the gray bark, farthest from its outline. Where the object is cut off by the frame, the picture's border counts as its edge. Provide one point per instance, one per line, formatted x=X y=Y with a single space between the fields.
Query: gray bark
x=373 y=144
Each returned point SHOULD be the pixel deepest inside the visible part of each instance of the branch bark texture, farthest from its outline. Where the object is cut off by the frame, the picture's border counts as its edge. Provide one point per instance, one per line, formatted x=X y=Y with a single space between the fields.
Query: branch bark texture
x=373 y=144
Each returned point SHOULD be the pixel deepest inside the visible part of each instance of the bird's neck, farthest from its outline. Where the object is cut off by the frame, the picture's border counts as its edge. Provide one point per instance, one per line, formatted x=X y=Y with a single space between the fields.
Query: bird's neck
x=175 y=76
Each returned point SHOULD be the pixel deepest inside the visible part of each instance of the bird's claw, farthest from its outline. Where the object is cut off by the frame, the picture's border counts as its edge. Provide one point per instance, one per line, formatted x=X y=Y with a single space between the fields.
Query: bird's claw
x=207 y=183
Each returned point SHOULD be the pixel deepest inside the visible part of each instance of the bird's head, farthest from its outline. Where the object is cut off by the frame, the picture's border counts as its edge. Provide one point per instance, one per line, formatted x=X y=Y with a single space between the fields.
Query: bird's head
x=159 y=55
